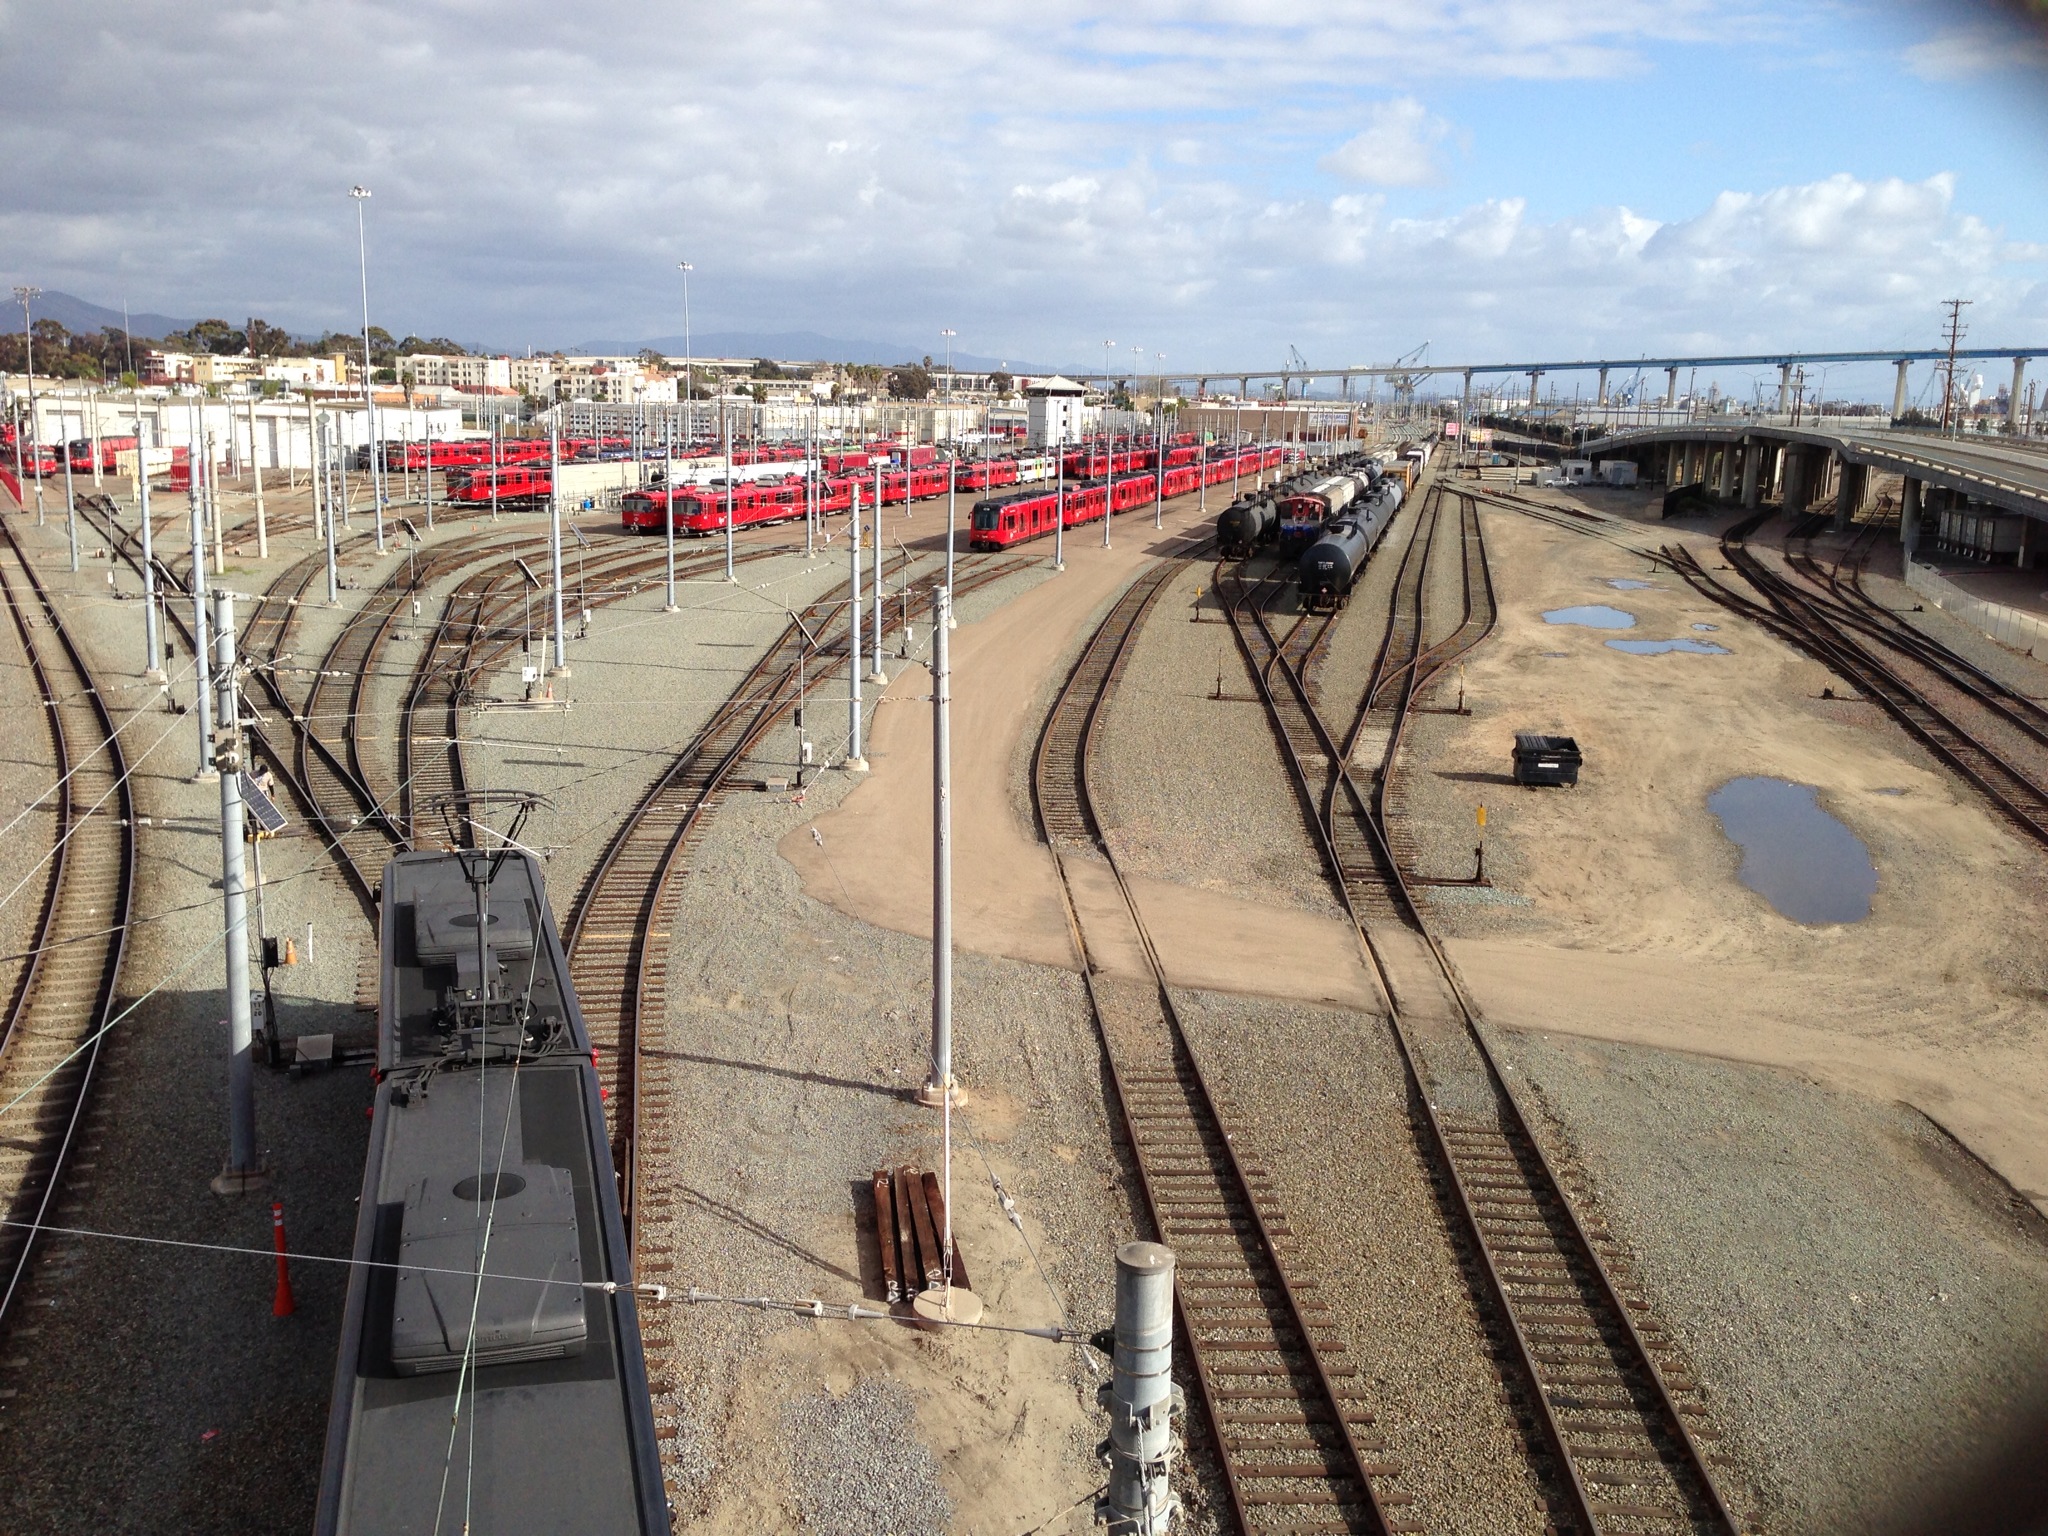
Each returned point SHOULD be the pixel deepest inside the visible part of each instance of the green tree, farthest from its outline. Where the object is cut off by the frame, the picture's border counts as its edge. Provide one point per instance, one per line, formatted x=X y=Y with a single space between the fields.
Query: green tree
x=766 y=368
x=266 y=340
x=910 y=382
x=1001 y=382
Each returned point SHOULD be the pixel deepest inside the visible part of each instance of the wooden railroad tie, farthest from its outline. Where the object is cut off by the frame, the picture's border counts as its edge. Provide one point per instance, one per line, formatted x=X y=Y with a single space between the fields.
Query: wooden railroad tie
x=910 y=1230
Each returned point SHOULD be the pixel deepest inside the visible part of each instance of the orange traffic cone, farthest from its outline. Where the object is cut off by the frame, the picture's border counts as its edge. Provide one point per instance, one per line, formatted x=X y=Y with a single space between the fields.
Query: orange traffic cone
x=282 y=1305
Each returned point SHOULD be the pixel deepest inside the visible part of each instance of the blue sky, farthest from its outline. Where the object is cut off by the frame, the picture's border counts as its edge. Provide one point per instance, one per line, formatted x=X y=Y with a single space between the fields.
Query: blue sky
x=1215 y=181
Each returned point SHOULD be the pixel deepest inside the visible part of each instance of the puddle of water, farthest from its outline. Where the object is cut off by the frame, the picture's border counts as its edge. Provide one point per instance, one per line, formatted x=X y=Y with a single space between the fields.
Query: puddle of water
x=1795 y=855
x=1630 y=584
x=1591 y=616
x=1659 y=647
x=1707 y=628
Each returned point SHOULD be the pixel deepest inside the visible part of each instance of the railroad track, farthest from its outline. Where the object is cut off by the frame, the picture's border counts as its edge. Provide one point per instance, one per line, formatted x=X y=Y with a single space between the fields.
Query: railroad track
x=50 y=1041
x=619 y=929
x=1613 y=1418
x=1291 y=1420
x=1902 y=683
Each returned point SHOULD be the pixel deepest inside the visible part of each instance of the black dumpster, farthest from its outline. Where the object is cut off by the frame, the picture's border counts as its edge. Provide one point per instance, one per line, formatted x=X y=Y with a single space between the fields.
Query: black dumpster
x=1546 y=759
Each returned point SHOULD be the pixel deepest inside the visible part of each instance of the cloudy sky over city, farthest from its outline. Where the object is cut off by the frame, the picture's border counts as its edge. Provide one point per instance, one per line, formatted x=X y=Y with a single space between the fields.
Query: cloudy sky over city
x=1215 y=182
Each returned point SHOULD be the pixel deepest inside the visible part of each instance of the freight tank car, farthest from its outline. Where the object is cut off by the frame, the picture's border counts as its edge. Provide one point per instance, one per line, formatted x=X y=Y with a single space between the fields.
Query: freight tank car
x=1311 y=500
x=1247 y=524
x=1331 y=565
x=491 y=1288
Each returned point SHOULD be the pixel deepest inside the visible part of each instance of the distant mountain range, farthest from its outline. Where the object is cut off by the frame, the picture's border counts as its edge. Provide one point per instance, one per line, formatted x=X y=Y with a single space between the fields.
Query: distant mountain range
x=76 y=315
x=801 y=346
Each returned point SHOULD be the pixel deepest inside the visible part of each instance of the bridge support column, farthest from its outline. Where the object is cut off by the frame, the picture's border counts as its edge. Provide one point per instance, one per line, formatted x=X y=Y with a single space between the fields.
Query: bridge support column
x=1752 y=457
x=1909 y=517
x=1674 y=465
x=2012 y=401
x=1465 y=399
x=1534 y=376
x=1784 y=389
x=1899 y=392
x=2023 y=558
x=1601 y=400
x=1849 y=499
x=1724 y=485
x=1670 y=389
x=1795 y=481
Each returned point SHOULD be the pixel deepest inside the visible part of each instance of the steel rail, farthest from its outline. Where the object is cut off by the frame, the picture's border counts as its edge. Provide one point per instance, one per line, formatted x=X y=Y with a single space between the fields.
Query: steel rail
x=1553 y=1327
x=53 y=1038
x=1199 y=1194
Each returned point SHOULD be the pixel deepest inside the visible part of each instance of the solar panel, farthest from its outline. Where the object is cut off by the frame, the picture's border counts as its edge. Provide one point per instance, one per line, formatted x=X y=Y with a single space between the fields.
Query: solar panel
x=261 y=808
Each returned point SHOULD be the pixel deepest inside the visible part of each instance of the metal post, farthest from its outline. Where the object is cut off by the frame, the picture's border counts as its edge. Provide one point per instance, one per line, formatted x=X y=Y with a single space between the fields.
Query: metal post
x=728 y=500
x=256 y=470
x=361 y=196
x=35 y=428
x=1158 y=472
x=1059 y=507
x=668 y=516
x=939 y=1085
x=153 y=668
x=952 y=503
x=561 y=667
x=220 y=557
x=878 y=676
x=811 y=485
x=333 y=570
x=241 y=1170
x=202 y=661
x=71 y=503
x=1139 y=1500
x=855 y=763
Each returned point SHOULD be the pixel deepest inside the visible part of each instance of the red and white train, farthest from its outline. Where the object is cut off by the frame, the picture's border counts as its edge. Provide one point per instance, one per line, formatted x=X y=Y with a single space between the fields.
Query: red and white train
x=1000 y=521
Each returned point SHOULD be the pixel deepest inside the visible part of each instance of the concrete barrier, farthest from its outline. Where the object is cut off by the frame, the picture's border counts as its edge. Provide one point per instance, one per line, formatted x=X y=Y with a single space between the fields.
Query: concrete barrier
x=2010 y=626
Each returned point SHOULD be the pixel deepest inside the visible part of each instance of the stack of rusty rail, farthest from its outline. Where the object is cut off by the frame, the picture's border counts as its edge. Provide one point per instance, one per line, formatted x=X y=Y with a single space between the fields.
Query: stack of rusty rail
x=910 y=1231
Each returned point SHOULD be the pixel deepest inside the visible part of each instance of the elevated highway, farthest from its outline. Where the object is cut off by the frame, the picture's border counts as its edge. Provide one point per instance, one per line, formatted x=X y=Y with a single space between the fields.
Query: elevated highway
x=1990 y=495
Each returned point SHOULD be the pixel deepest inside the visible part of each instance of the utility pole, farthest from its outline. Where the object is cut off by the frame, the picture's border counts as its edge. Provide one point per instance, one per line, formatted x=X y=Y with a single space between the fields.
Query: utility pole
x=939 y=1086
x=855 y=763
x=70 y=498
x=241 y=1172
x=1953 y=331
x=1059 y=502
x=1139 y=1500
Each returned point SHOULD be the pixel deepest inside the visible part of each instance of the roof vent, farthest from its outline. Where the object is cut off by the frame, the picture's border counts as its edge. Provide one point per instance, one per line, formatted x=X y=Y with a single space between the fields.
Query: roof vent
x=530 y=1306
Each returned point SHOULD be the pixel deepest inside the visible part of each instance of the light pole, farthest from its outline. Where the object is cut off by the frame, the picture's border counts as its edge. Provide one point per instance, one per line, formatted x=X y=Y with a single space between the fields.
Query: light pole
x=361 y=196
x=1107 y=365
x=28 y=342
x=689 y=436
x=1159 y=446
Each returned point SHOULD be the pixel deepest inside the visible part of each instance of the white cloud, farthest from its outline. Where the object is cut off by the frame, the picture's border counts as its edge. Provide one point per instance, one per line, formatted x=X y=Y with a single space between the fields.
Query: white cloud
x=1397 y=149
x=1031 y=175
x=1969 y=53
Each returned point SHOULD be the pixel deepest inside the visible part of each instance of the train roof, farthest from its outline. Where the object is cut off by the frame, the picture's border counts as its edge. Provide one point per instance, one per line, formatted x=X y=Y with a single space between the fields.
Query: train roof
x=488 y=1157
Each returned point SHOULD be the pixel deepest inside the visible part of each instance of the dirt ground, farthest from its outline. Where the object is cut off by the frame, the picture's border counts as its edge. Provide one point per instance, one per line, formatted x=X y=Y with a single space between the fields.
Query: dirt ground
x=1618 y=912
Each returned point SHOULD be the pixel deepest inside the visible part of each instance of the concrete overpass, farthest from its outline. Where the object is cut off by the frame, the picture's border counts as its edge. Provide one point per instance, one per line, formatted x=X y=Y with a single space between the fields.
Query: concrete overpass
x=1987 y=498
x=1785 y=362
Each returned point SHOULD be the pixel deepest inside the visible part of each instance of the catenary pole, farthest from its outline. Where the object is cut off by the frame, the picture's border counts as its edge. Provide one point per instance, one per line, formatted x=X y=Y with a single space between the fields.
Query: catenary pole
x=241 y=1166
x=668 y=516
x=729 y=576
x=153 y=667
x=940 y=1084
x=561 y=668
x=256 y=473
x=202 y=661
x=878 y=676
x=361 y=196
x=71 y=500
x=855 y=762
x=1059 y=506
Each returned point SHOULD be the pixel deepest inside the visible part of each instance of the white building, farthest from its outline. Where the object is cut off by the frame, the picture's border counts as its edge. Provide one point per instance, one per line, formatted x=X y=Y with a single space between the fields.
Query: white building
x=1057 y=411
x=433 y=370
